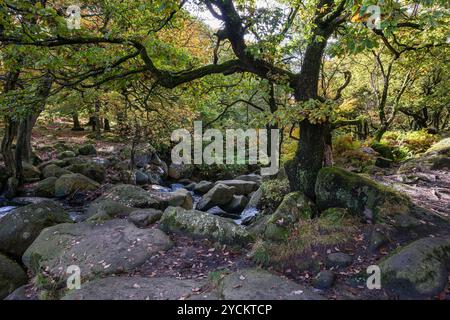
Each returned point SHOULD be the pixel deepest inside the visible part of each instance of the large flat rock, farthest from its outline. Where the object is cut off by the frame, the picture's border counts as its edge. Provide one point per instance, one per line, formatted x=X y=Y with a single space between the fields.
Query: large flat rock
x=135 y=288
x=98 y=249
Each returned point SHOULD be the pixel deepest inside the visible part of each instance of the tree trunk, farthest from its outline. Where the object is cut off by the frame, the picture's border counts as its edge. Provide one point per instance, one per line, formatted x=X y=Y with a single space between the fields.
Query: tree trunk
x=76 y=122
x=107 y=126
x=310 y=156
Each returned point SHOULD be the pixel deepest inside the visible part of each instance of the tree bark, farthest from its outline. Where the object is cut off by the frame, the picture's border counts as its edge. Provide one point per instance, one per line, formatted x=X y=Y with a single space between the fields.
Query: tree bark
x=76 y=122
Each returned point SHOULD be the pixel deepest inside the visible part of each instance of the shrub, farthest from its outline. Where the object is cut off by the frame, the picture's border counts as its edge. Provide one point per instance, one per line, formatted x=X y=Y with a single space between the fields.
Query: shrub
x=345 y=143
x=273 y=193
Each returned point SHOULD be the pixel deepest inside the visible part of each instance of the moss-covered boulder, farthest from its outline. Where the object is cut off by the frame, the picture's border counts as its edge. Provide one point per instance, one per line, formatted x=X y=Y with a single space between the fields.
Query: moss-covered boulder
x=91 y=170
x=19 y=228
x=53 y=170
x=98 y=249
x=12 y=276
x=87 y=150
x=338 y=188
x=70 y=184
x=419 y=270
x=30 y=172
x=66 y=154
x=204 y=225
x=440 y=148
x=276 y=227
x=132 y=196
x=107 y=209
x=45 y=188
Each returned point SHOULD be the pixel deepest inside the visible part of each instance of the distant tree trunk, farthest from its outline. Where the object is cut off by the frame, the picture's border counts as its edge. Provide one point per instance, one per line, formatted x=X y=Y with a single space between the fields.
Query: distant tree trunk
x=96 y=124
x=107 y=126
x=76 y=122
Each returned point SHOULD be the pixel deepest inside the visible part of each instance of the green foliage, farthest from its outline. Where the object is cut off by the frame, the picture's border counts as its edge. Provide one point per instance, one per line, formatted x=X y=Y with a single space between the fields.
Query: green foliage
x=273 y=193
x=410 y=143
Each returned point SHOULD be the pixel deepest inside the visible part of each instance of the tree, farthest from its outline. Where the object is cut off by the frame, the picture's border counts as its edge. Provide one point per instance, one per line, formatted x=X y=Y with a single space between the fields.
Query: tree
x=308 y=25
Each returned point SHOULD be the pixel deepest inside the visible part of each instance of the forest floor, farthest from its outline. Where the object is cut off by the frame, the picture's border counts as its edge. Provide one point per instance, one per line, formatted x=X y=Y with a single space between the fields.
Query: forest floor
x=197 y=258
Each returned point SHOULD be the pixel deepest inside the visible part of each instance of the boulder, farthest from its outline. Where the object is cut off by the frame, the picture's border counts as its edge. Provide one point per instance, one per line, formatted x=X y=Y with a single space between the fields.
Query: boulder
x=242 y=187
x=141 y=178
x=30 y=172
x=337 y=188
x=53 y=170
x=56 y=162
x=107 y=209
x=237 y=204
x=339 y=260
x=70 y=184
x=131 y=196
x=180 y=171
x=136 y=288
x=218 y=196
x=12 y=276
x=324 y=280
x=419 y=270
x=144 y=217
x=204 y=225
x=276 y=227
x=255 y=284
x=255 y=199
x=217 y=211
x=87 y=150
x=66 y=154
x=203 y=187
x=45 y=188
x=112 y=247
x=20 y=227
x=250 y=177
x=91 y=170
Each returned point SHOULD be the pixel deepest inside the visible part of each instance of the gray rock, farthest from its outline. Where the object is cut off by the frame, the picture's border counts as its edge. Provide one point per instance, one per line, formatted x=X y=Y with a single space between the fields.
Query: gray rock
x=419 y=270
x=255 y=199
x=131 y=196
x=141 y=178
x=377 y=240
x=45 y=188
x=255 y=284
x=203 y=187
x=237 y=205
x=218 y=196
x=107 y=209
x=145 y=217
x=136 y=288
x=12 y=276
x=98 y=249
x=30 y=172
x=217 y=211
x=250 y=177
x=53 y=170
x=241 y=187
x=70 y=184
x=324 y=280
x=66 y=154
x=204 y=225
x=20 y=227
x=338 y=259
x=91 y=170
x=180 y=171
x=87 y=150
